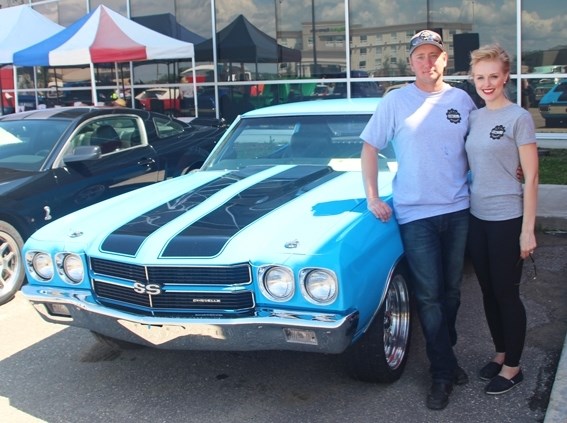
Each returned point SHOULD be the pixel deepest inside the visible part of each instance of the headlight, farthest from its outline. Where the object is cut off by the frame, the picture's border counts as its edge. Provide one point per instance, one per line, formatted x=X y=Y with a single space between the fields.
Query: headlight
x=70 y=267
x=40 y=265
x=277 y=283
x=319 y=286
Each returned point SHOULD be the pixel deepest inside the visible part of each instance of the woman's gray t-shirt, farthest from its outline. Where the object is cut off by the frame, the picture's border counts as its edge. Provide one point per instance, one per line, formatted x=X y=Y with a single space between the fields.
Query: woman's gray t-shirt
x=492 y=150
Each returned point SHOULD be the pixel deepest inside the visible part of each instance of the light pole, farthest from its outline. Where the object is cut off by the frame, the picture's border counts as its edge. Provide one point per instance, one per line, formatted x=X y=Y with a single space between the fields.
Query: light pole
x=277 y=3
x=314 y=35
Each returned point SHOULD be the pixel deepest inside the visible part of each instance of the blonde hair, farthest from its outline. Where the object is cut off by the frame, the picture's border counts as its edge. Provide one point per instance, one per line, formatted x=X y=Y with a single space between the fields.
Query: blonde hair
x=491 y=52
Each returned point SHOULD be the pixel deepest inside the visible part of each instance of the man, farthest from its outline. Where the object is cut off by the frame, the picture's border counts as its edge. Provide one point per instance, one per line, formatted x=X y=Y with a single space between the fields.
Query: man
x=427 y=122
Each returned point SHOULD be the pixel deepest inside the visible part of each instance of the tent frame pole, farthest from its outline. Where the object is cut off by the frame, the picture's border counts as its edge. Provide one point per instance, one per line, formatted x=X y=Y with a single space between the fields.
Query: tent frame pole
x=93 y=84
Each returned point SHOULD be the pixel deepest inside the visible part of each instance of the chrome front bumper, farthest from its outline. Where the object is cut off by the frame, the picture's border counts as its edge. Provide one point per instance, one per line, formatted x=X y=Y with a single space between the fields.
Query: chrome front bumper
x=270 y=329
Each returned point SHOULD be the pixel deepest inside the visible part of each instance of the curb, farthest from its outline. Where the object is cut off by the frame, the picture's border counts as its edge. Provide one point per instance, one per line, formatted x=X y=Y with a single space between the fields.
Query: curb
x=557 y=407
x=552 y=217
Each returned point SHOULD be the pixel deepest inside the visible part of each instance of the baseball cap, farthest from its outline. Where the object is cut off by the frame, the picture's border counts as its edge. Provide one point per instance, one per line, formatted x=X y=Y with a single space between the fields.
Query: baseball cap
x=426 y=37
x=120 y=102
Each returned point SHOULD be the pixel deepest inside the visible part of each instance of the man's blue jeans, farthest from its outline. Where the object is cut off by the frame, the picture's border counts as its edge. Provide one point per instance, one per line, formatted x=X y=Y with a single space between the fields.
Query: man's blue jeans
x=435 y=251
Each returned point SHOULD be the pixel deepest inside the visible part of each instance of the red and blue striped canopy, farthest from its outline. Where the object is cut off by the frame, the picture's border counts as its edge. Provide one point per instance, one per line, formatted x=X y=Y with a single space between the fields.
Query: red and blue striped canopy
x=103 y=36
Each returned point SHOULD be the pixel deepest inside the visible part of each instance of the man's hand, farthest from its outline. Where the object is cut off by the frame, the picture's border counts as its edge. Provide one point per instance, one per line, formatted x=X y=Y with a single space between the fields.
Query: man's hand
x=380 y=209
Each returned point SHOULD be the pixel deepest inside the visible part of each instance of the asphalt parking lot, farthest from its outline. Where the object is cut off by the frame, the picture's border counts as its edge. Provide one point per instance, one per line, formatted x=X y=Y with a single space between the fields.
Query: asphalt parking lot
x=51 y=373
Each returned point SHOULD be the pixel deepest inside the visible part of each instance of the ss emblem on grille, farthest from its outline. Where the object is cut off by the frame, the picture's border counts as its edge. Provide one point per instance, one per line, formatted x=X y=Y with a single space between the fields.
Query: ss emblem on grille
x=150 y=289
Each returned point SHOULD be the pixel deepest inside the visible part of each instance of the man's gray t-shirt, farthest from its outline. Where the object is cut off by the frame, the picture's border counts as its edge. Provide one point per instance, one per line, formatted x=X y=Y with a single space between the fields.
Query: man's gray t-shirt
x=427 y=131
x=492 y=149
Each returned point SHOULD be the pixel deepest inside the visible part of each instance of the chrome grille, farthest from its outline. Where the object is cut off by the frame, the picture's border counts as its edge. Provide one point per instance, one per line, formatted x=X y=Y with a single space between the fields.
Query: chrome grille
x=178 y=295
x=168 y=300
x=222 y=275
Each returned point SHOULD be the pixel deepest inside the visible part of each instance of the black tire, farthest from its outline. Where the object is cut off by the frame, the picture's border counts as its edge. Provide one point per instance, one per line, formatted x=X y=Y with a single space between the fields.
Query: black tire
x=115 y=344
x=193 y=159
x=381 y=354
x=11 y=263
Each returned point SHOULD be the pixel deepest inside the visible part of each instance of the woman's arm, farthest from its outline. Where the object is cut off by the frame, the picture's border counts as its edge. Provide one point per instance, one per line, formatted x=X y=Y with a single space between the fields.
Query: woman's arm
x=530 y=165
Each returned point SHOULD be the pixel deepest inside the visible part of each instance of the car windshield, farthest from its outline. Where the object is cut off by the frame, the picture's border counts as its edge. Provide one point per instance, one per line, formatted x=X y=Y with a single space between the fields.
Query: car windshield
x=25 y=144
x=330 y=139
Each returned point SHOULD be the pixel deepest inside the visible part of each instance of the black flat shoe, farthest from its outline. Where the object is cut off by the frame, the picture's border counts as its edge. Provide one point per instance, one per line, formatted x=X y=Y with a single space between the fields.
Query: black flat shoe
x=499 y=384
x=490 y=370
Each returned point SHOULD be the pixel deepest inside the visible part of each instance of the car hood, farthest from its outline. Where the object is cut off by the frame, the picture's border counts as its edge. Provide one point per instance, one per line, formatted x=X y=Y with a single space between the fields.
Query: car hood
x=219 y=216
x=11 y=179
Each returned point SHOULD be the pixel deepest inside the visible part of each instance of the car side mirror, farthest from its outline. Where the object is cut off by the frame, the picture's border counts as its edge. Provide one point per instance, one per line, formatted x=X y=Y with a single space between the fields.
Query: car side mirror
x=83 y=153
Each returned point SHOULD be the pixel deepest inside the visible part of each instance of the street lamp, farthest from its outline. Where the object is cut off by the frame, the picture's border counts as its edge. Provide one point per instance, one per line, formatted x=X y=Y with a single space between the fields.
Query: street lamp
x=314 y=35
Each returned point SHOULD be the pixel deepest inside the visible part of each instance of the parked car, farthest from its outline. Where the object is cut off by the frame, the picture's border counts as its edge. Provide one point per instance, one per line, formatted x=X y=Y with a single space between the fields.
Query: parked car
x=321 y=90
x=162 y=100
x=357 y=89
x=541 y=88
x=553 y=105
x=269 y=246
x=56 y=161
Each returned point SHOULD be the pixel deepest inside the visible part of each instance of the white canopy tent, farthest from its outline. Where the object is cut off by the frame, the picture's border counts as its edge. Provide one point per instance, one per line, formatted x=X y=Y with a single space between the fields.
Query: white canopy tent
x=104 y=36
x=22 y=27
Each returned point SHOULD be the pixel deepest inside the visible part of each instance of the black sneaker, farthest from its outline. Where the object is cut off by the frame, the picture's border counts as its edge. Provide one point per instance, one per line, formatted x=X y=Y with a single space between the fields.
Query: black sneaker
x=438 y=396
x=460 y=377
x=490 y=370
x=499 y=384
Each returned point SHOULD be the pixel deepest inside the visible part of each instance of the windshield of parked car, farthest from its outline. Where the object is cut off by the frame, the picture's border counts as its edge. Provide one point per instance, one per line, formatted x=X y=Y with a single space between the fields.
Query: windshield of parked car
x=330 y=139
x=25 y=144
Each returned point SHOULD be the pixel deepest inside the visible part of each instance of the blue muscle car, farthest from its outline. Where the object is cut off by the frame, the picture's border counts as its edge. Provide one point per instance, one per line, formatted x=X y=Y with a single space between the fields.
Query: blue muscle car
x=269 y=246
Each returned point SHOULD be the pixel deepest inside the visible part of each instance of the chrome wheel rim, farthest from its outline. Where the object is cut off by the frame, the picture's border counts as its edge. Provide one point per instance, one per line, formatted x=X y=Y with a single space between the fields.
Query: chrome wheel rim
x=9 y=263
x=396 y=321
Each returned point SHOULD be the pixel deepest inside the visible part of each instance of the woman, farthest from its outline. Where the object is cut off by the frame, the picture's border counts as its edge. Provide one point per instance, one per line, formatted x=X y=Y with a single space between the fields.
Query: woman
x=502 y=225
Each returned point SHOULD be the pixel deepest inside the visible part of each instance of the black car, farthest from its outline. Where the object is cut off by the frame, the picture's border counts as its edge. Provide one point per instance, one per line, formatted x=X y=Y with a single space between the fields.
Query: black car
x=55 y=161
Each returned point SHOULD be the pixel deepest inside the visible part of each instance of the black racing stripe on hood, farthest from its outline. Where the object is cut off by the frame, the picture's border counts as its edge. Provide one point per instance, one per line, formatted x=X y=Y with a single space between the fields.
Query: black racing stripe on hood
x=129 y=238
x=207 y=236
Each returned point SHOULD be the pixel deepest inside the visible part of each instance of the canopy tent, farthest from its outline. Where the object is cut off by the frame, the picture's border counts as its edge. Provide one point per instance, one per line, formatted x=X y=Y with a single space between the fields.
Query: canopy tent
x=240 y=41
x=166 y=24
x=103 y=36
x=17 y=23
x=22 y=27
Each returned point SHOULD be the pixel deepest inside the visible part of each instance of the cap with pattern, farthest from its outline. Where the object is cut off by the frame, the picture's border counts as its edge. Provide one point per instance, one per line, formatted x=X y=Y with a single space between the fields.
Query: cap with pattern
x=426 y=37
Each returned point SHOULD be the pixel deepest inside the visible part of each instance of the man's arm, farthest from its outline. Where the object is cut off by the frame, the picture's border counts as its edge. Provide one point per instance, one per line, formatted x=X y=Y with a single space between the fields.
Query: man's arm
x=369 y=162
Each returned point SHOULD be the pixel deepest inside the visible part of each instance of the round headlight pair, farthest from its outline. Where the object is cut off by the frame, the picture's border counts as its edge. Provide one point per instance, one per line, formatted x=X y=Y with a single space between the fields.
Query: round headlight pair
x=69 y=266
x=318 y=286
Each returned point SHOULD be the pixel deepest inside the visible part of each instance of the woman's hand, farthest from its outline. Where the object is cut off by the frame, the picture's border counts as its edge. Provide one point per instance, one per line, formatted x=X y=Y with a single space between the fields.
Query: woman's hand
x=527 y=244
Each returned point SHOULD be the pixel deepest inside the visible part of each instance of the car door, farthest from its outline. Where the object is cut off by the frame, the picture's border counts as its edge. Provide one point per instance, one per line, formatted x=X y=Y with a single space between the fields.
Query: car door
x=127 y=161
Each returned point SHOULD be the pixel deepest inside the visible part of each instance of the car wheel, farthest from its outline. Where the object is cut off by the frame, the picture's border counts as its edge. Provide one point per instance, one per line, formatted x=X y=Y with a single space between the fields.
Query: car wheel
x=115 y=344
x=381 y=354
x=11 y=264
x=192 y=160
